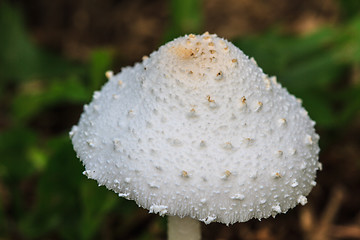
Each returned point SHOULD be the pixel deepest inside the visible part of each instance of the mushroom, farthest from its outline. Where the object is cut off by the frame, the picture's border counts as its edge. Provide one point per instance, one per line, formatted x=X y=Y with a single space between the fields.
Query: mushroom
x=197 y=131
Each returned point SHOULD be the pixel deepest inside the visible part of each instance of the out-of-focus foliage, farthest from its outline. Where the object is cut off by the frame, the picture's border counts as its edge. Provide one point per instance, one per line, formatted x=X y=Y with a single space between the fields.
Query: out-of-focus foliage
x=42 y=192
x=311 y=67
x=187 y=17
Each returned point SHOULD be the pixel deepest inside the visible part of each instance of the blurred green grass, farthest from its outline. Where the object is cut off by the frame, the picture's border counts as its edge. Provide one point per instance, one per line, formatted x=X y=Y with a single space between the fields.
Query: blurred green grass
x=43 y=194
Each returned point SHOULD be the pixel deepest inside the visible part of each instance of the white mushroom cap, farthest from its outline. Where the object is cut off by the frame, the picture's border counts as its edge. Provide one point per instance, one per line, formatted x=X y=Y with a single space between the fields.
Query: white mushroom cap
x=197 y=129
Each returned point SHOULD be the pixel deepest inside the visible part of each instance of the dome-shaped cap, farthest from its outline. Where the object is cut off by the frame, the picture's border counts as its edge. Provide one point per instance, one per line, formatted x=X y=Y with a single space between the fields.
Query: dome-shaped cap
x=197 y=129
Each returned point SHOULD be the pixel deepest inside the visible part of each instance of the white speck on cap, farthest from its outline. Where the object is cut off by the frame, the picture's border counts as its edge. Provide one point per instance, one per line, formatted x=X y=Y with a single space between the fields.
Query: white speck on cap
x=302 y=200
x=176 y=153
x=160 y=209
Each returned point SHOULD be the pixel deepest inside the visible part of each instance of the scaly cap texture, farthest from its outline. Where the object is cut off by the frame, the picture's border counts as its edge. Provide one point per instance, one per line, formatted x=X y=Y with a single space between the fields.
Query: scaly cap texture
x=197 y=129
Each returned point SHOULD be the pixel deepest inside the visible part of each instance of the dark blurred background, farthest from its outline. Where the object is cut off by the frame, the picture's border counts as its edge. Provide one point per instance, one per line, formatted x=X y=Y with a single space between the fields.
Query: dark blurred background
x=53 y=55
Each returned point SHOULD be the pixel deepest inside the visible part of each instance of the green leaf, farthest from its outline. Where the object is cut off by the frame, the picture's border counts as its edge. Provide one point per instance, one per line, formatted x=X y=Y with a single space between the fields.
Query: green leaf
x=41 y=95
x=319 y=107
x=96 y=203
x=351 y=104
x=318 y=71
x=38 y=157
x=186 y=17
x=57 y=195
x=14 y=146
x=349 y=8
x=100 y=62
x=305 y=62
x=18 y=56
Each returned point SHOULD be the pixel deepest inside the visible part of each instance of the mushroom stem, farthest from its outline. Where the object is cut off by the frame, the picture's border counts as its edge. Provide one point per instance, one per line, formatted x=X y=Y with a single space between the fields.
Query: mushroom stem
x=183 y=228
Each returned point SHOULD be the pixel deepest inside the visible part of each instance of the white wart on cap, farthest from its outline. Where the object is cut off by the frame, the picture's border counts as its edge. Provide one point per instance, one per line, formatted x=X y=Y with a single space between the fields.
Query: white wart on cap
x=197 y=129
